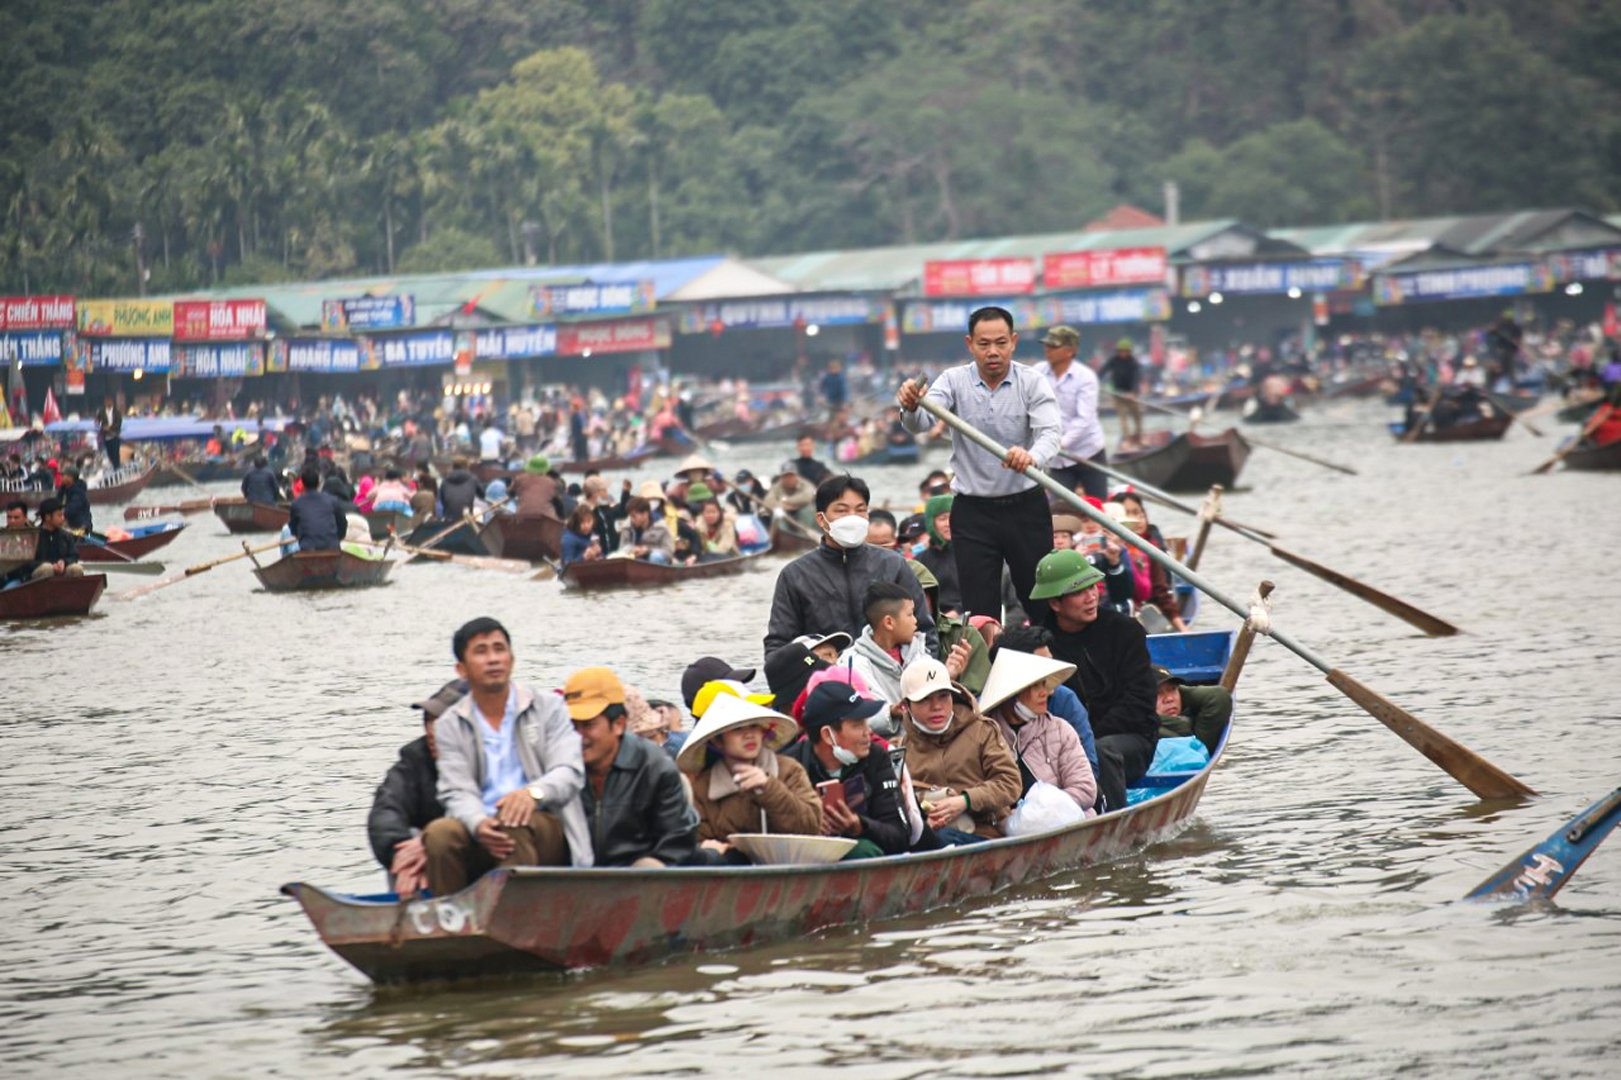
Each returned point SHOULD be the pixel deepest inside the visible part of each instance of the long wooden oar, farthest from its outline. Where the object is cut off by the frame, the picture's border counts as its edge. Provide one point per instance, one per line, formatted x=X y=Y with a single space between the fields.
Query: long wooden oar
x=188 y=478
x=1511 y=414
x=1251 y=439
x=1433 y=625
x=192 y=571
x=1601 y=414
x=1462 y=764
x=479 y=562
x=1412 y=433
x=448 y=529
x=190 y=506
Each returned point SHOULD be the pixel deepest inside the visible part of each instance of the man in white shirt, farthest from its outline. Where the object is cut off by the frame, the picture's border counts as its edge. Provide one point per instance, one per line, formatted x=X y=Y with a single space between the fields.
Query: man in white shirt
x=489 y=442
x=1077 y=390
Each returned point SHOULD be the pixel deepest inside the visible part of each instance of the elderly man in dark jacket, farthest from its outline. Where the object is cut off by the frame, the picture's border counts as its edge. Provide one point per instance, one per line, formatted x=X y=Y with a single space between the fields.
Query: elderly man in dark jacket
x=635 y=803
x=407 y=799
x=1113 y=676
x=75 y=496
x=260 y=485
x=824 y=591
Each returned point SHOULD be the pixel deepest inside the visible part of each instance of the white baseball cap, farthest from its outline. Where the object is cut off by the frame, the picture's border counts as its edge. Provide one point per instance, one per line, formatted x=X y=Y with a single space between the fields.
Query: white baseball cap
x=925 y=677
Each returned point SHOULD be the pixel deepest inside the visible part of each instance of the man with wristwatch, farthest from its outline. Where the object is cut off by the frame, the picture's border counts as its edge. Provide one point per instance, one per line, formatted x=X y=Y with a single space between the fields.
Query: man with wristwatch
x=510 y=771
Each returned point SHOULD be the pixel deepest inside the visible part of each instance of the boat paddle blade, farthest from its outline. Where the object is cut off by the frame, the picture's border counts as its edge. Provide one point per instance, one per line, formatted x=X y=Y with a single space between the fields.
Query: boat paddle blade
x=1543 y=870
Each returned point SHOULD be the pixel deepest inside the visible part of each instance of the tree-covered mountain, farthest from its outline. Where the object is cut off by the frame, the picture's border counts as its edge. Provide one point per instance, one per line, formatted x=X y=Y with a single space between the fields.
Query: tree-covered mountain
x=252 y=141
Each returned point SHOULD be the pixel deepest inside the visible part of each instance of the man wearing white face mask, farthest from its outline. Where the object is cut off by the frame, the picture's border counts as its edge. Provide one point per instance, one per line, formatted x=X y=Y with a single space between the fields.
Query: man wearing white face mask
x=824 y=591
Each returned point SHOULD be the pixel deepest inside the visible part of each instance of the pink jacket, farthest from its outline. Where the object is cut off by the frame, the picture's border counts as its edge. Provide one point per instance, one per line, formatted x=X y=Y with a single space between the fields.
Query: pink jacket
x=1052 y=752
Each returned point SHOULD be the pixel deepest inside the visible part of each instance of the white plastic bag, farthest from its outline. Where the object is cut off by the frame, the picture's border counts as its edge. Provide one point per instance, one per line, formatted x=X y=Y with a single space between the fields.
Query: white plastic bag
x=1043 y=808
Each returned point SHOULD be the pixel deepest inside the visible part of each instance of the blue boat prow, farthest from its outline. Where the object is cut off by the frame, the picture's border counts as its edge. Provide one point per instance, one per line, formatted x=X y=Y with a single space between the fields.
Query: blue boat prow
x=1543 y=870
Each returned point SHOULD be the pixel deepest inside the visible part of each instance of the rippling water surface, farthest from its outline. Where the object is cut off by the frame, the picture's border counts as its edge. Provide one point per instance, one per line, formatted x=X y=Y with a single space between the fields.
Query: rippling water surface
x=171 y=761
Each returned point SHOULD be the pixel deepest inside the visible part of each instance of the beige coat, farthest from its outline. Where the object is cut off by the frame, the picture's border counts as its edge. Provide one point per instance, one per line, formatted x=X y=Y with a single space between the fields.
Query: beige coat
x=972 y=759
x=790 y=803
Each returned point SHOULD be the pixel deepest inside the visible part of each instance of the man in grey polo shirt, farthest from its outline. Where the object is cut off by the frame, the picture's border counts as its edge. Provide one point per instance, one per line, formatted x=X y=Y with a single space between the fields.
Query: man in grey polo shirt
x=1077 y=390
x=999 y=515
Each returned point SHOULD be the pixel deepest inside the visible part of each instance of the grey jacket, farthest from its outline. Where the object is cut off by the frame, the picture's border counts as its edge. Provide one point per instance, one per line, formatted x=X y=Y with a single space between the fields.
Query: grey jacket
x=549 y=749
x=882 y=672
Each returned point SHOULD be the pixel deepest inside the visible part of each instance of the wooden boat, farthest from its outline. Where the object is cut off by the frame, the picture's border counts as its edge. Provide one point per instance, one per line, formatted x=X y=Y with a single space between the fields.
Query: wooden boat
x=903 y=454
x=101 y=493
x=383 y=522
x=190 y=506
x=241 y=516
x=1517 y=401
x=614 y=463
x=1188 y=461
x=617 y=573
x=788 y=540
x=782 y=431
x=727 y=429
x=202 y=470
x=1270 y=412
x=144 y=539
x=536 y=537
x=52 y=597
x=1606 y=458
x=543 y=919
x=463 y=540
x=1483 y=429
x=304 y=570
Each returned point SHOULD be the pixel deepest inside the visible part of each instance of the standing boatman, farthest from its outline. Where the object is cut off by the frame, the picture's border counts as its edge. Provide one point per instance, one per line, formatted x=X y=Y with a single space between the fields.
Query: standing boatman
x=999 y=515
x=1125 y=374
x=1076 y=388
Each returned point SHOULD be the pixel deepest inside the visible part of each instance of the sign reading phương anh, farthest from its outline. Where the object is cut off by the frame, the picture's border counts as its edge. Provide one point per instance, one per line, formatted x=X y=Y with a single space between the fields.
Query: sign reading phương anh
x=132 y=354
x=368 y=313
x=126 y=318
x=978 y=277
x=618 y=298
x=218 y=320
x=36 y=313
x=1114 y=266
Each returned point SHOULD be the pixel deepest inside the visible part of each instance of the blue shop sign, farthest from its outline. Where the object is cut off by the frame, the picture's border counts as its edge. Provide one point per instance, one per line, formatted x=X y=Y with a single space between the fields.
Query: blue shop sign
x=128 y=354
x=32 y=348
x=517 y=342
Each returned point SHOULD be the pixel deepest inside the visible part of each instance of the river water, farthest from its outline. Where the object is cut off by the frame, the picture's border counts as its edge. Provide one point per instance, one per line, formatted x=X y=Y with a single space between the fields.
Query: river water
x=171 y=761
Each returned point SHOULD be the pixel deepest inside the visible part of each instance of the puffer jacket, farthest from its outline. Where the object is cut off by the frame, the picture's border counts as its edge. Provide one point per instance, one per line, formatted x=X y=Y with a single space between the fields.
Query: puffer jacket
x=825 y=590
x=458 y=492
x=970 y=758
x=1052 y=752
x=788 y=801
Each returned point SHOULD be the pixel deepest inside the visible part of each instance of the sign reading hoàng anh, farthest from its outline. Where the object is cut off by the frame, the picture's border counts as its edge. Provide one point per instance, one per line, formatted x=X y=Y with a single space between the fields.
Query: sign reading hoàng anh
x=218 y=320
x=978 y=277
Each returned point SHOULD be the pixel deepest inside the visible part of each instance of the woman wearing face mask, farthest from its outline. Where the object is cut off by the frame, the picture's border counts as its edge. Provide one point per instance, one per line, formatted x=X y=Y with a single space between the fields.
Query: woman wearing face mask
x=1045 y=747
x=965 y=776
x=740 y=784
x=824 y=591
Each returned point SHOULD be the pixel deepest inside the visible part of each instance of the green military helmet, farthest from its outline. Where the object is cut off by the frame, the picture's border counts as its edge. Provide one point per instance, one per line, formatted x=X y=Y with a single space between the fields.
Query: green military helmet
x=1060 y=573
x=539 y=464
x=1123 y=343
x=925 y=576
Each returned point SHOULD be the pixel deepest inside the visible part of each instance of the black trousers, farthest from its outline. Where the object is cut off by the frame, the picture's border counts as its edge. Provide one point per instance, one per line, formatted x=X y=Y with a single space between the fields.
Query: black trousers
x=1122 y=759
x=1090 y=481
x=114 y=445
x=987 y=532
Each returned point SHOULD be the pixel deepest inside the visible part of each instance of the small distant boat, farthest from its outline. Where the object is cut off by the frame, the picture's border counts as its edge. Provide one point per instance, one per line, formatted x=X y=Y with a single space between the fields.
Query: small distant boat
x=1481 y=430
x=1269 y=412
x=105 y=490
x=383 y=522
x=782 y=431
x=533 y=537
x=620 y=573
x=241 y=516
x=1189 y=461
x=789 y=539
x=613 y=463
x=143 y=540
x=201 y=470
x=304 y=570
x=462 y=540
x=892 y=454
x=52 y=597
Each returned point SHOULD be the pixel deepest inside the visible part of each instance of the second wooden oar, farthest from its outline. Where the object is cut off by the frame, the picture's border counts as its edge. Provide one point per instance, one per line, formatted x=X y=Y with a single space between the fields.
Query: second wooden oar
x=1462 y=764
x=479 y=562
x=1433 y=625
x=1601 y=414
x=192 y=571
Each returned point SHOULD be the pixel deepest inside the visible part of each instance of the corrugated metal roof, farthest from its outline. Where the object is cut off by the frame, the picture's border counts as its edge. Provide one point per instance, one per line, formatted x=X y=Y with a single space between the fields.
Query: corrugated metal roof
x=1478 y=235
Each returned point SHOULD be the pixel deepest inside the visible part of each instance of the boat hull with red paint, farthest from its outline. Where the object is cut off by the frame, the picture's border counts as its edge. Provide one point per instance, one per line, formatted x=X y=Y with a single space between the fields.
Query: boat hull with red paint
x=305 y=570
x=533 y=537
x=52 y=597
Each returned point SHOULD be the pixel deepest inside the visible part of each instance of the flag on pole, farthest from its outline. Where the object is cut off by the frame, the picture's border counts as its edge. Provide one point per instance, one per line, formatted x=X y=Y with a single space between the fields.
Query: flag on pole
x=52 y=413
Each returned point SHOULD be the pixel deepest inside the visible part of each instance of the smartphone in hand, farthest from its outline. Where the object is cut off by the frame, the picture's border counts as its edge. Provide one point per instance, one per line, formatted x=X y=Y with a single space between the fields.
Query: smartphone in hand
x=831 y=791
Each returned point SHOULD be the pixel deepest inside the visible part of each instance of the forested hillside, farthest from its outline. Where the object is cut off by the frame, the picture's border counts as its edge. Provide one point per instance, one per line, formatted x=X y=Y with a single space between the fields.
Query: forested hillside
x=287 y=139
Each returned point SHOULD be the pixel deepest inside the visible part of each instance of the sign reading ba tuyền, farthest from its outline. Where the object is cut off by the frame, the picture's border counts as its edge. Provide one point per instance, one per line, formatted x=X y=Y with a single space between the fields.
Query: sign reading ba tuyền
x=36 y=313
x=978 y=277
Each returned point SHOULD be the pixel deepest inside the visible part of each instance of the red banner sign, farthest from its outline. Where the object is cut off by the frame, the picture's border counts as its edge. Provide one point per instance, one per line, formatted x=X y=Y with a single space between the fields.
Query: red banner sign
x=218 y=320
x=979 y=277
x=36 y=313
x=621 y=335
x=1116 y=266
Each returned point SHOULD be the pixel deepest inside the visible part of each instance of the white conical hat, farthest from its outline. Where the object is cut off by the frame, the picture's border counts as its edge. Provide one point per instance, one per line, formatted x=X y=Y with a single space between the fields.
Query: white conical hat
x=694 y=461
x=726 y=712
x=1014 y=671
